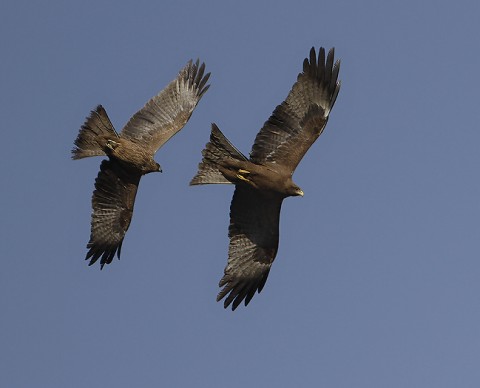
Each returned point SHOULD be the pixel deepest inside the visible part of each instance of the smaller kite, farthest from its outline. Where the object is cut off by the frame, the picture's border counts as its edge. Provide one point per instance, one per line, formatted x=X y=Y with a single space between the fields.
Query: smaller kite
x=130 y=155
x=264 y=180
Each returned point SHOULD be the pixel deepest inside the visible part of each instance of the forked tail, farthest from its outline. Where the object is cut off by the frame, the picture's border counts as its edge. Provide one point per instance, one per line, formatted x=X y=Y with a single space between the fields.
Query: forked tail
x=216 y=150
x=93 y=134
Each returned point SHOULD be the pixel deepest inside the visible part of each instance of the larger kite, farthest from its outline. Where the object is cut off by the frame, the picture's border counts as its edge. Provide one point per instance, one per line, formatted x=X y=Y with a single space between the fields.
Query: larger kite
x=130 y=155
x=265 y=179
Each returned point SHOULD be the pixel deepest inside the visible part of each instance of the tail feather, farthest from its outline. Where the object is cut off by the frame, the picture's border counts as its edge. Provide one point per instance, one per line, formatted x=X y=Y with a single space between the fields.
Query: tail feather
x=96 y=128
x=216 y=150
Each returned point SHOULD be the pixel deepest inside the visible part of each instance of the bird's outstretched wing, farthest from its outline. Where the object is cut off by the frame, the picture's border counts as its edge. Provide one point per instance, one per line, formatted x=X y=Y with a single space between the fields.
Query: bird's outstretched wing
x=112 y=203
x=253 y=233
x=168 y=112
x=300 y=119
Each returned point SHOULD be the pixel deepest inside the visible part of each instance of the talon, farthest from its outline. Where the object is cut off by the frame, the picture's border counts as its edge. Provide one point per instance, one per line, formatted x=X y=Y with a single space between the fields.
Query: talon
x=112 y=144
x=242 y=178
x=246 y=172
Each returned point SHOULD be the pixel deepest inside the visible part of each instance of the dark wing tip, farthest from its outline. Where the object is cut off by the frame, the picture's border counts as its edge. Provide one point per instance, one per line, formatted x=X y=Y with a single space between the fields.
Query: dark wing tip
x=238 y=290
x=313 y=58
x=106 y=253
x=74 y=153
x=194 y=74
x=325 y=70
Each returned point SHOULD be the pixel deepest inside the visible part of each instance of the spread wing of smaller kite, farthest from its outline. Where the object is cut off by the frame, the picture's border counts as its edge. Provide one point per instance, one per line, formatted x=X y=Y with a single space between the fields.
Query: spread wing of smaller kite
x=265 y=179
x=130 y=155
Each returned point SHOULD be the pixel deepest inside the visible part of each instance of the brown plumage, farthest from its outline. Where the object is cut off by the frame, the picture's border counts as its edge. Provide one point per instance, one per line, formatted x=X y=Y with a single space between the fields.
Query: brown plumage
x=130 y=155
x=265 y=179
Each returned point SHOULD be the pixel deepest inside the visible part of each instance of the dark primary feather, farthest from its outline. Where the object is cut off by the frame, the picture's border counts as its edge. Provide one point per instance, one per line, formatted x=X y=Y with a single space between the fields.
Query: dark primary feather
x=166 y=113
x=298 y=121
x=253 y=233
x=112 y=202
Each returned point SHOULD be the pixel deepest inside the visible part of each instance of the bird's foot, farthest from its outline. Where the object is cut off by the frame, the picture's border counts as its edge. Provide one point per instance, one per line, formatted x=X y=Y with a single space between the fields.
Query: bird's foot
x=112 y=144
x=241 y=175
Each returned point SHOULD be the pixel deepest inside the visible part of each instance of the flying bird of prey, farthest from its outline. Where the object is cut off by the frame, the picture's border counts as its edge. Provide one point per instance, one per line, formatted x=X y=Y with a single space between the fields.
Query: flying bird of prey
x=130 y=155
x=265 y=179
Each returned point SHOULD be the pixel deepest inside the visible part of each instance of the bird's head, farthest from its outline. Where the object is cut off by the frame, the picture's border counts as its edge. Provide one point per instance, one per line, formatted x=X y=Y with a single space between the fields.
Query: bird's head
x=295 y=191
x=151 y=166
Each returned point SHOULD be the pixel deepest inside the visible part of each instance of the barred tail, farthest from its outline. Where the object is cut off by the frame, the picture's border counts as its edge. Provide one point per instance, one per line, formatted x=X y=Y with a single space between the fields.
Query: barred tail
x=216 y=150
x=92 y=135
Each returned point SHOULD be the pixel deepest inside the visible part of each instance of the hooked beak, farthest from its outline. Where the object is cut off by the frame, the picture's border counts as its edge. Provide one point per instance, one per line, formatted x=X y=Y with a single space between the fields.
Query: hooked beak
x=299 y=192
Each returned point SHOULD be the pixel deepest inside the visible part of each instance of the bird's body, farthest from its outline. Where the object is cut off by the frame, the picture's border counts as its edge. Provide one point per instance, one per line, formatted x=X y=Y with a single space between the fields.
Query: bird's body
x=268 y=178
x=264 y=179
x=130 y=156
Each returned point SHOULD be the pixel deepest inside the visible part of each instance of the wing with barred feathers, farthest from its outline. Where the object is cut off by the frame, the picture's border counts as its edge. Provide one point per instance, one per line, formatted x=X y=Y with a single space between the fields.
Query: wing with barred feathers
x=254 y=234
x=298 y=121
x=168 y=112
x=112 y=203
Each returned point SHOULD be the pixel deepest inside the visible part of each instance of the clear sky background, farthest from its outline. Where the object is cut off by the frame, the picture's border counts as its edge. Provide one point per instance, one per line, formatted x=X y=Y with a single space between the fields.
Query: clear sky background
x=377 y=278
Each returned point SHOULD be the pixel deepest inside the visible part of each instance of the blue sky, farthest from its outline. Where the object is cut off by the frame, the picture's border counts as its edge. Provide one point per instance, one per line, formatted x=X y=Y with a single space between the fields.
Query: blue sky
x=376 y=282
